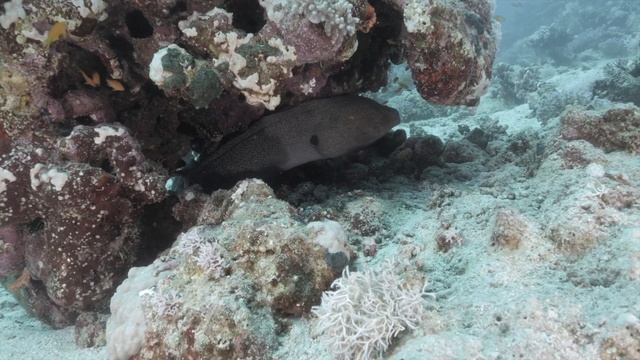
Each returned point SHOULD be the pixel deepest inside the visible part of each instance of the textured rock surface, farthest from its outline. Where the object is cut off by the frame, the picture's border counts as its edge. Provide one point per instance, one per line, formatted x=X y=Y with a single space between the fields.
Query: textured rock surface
x=100 y=100
x=221 y=290
x=71 y=223
x=459 y=72
x=614 y=129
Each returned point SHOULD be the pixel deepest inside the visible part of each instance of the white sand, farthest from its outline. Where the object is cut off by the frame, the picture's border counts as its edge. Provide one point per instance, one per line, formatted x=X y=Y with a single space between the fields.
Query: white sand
x=25 y=338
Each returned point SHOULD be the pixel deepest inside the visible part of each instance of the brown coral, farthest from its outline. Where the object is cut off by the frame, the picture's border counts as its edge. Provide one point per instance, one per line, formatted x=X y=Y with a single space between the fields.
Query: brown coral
x=615 y=129
x=450 y=46
x=510 y=229
x=81 y=219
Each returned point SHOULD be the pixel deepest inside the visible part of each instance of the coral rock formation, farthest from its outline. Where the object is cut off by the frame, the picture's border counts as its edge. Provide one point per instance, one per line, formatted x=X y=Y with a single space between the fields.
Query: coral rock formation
x=73 y=220
x=220 y=290
x=615 y=129
x=459 y=72
x=100 y=100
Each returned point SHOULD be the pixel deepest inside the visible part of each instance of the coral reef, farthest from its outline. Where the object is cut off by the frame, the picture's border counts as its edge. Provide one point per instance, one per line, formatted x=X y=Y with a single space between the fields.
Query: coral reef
x=72 y=206
x=522 y=212
x=549 y=102
x=513 y=83
x=510 y=229
x=614 y=129
x=575 y=31
x=100 y=101
x=225 y=287
x=431 y=23
x=550 y=42
x=621 y=82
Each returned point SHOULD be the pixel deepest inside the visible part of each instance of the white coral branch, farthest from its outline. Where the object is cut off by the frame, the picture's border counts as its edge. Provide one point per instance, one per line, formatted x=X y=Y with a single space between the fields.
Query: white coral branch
x=359 y=318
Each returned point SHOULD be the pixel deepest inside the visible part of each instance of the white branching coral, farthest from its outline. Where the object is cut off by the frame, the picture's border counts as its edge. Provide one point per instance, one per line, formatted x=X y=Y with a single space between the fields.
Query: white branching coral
x=335 y=15
x=364 y=311
x=209 y=259
x=204 y=252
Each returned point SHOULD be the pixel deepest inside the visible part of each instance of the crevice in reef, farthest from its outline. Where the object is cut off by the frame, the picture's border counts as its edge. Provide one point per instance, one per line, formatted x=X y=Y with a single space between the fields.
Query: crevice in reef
x=121 y=46
x=73 y=63
x=158 y=231
x=138 y=25
x=36 y=225
x=248 y=15
x=375 y=48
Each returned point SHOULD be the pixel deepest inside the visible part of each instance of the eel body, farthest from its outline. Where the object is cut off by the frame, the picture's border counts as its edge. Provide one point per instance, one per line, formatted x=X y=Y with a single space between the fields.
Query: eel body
x=315 y=130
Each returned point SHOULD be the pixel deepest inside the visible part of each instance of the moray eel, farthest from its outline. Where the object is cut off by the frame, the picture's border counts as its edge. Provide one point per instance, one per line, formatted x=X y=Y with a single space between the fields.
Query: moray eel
x=314 y=130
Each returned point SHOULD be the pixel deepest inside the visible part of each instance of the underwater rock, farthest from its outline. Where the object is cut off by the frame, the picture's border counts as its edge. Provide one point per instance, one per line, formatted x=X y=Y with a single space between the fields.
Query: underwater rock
x=365 y=216
x=370 y=249
x=624 y=341
x=220 y=290
x=587 y=219
x=478 y=137
x=417 y=153
x=448 y=238
x=549 y=102
x=74 y=205
x=621 y=82
x=90 y=329
x=450 y=48
x=460 y=151
x=513 y=83
x=11 y=251
x=611 y=130
x=551 y=42
x=580 y=153
x=509 y=229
